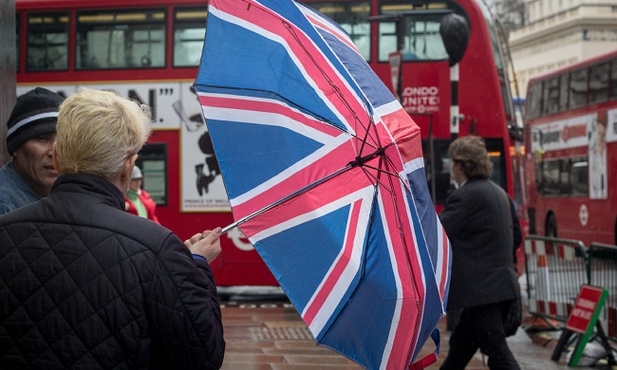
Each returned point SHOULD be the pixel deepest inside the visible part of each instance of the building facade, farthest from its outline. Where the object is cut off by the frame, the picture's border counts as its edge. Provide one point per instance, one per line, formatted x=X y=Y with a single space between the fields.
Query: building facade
x=559 y=33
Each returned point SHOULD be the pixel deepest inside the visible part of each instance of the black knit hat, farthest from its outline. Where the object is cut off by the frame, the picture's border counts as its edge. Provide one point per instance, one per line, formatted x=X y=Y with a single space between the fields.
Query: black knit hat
x=35 y=114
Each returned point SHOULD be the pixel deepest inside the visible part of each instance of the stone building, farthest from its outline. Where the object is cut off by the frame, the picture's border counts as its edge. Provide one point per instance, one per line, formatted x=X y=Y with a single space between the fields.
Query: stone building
x=561 y=32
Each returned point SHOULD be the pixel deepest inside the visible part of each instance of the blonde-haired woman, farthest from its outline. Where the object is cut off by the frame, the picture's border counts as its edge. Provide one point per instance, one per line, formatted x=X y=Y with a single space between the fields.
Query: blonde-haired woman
x=88 y=285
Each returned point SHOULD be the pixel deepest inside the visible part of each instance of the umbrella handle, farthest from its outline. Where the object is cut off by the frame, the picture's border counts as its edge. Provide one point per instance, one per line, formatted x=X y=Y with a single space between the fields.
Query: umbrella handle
x=229 y=227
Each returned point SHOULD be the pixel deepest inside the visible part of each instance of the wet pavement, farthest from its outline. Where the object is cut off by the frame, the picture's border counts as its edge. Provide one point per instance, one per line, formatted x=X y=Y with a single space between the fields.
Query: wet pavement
x=264 y=332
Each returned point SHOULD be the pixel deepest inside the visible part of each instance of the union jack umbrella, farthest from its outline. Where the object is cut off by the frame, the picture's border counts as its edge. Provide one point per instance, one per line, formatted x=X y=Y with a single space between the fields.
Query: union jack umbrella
x=325 y=176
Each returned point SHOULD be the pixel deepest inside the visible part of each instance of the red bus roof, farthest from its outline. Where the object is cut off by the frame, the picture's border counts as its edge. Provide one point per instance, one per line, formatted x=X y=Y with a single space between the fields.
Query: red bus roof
x=70 y=4
x=574 y=66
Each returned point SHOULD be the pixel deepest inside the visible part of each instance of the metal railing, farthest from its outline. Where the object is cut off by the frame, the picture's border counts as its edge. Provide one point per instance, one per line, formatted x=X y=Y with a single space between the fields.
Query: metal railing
x=603 y=273
x=556 y=269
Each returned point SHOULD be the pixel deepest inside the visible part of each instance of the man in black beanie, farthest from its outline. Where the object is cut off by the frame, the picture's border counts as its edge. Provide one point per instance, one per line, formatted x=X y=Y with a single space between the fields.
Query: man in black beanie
x=31 y=133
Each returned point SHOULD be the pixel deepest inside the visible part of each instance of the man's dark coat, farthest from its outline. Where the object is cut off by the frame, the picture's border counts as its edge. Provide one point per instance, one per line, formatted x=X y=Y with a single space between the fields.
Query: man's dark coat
x=482 y=226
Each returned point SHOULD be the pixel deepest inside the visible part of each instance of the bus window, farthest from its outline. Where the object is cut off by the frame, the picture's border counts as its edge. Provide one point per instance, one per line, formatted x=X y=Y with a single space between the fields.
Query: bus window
x=549 y=179
x=387 y=40
x=533 y=102
x=48 y=42
x=413 y=30
x=564 y=177
x=422 y=40
x=152 y=160
x=352 y=16
x=519 y=111
x=120 y=39
x=550 y=96
x=579 y=176
x=578 y=88
x=189 y=32
x=563 y=92
x=598 y=83
x=495 y=149
x=614 y=79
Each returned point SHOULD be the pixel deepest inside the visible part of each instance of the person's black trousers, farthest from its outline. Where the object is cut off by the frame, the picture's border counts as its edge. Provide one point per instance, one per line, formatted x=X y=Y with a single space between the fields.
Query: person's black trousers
x=480 y=327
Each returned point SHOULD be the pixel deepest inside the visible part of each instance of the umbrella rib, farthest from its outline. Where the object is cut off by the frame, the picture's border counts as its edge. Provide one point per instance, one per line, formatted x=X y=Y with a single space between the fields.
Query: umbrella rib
x=362 y=162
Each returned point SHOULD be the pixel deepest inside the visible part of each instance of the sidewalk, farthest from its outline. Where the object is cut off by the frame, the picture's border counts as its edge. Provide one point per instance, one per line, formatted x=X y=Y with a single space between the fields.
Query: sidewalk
x=533 y=349
x=533 y=352
x=546 y=340
x=268 y=334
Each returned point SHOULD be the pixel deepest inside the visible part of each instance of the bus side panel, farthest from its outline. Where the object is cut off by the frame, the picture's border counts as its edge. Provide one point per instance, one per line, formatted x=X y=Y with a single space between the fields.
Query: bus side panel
x=239 y=263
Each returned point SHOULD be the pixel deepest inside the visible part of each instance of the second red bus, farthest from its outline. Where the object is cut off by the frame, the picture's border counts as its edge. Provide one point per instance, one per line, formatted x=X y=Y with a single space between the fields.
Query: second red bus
x=571 y=138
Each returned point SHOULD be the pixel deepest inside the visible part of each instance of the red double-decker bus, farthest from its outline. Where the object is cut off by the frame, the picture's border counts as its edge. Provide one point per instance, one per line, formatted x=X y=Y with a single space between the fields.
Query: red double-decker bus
x=149 y=50
x=571 y=138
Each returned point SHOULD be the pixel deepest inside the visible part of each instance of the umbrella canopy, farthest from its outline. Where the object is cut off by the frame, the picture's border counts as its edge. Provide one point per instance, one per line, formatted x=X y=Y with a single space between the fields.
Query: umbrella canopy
x=325 y=176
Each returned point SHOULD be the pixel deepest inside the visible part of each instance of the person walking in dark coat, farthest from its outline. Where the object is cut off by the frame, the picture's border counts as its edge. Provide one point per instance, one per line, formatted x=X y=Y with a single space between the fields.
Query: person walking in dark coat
x=483 y=228
x=86 y=285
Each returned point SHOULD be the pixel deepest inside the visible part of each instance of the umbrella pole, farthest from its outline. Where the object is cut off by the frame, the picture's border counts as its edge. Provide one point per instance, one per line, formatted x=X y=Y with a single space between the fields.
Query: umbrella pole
x=360 y=161
x=288 y=197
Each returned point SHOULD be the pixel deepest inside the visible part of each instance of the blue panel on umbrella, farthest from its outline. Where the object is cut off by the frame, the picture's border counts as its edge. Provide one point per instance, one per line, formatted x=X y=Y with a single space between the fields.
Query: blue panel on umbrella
x=312 y=257
x=260 y=65
x=266 y=151
x=379 y=298
x=368 y=81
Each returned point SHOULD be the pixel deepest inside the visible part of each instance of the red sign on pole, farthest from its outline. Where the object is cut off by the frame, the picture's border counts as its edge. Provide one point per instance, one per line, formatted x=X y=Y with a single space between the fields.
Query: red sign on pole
x=584 y=309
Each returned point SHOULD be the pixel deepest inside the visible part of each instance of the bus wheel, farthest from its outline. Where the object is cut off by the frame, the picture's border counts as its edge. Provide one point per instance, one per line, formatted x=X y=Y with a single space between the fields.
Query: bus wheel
x=551 y=226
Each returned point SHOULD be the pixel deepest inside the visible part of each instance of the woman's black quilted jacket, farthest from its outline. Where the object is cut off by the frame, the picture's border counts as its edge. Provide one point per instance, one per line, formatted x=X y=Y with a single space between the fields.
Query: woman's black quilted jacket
x=85 y=285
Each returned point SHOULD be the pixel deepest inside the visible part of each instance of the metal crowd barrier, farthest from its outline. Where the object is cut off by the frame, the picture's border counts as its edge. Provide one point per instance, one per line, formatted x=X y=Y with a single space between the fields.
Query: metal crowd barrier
x=603 y=273
x=556 y=269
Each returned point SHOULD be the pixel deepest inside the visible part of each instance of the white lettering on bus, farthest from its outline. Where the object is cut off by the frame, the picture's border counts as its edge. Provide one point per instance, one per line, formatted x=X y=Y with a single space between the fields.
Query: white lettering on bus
x=420 y=99
x=420 y=91
x=573 y=131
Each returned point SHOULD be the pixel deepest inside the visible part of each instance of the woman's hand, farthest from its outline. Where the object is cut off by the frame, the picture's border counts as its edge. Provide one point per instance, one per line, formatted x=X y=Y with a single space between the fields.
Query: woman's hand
x=206 y=244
